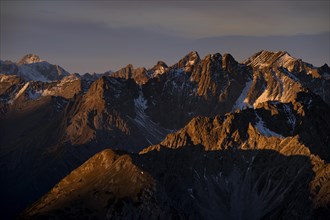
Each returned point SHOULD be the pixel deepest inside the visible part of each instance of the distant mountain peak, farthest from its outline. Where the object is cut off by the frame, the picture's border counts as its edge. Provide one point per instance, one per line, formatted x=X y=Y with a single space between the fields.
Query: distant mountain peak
x=160 y=68
x=29 y=58
x=193 y=53
x=266 y=58
x=129 y=66
x=161 y=63
x=31 y=67
x=228 y=59
x=193 y=57
x=189 y=60
x=138 y=74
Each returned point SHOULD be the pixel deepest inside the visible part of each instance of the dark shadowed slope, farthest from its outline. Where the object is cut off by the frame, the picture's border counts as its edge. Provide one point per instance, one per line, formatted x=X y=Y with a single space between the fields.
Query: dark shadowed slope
x=183 y=183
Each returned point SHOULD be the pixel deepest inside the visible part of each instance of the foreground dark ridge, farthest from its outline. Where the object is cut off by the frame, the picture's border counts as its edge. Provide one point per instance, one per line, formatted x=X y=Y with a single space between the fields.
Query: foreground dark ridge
x=184 y=183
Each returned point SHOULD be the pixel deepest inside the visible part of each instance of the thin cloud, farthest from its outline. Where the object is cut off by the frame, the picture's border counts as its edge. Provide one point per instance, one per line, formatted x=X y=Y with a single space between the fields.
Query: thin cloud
x=99 y=35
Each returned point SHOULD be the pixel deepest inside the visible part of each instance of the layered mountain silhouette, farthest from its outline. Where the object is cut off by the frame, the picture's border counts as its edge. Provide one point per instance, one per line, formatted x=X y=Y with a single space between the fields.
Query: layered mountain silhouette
x=203 y=139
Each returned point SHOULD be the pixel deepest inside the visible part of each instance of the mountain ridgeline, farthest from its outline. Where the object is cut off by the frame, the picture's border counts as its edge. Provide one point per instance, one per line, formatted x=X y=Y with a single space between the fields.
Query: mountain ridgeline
x=202 y=139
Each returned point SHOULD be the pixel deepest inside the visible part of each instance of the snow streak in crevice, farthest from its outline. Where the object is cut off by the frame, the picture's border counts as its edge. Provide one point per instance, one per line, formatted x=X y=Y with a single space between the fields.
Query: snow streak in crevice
x=153 y=132
x=290 y=116
x=260 y=125
x=242 y=101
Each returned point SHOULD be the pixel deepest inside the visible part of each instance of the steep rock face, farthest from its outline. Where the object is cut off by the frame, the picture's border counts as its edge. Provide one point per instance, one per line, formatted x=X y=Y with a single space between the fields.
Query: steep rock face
x=8 y=83
x=139 y=75
x=112 y=112
x=271 y=119
x=159 y=69
x=101 y=112
x=188 y=62
x=282 y=64
x=270 y=81
x=195 y=87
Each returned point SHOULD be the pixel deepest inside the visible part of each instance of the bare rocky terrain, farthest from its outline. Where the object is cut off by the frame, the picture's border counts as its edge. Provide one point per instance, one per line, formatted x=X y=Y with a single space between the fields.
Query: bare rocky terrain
x=202 y=139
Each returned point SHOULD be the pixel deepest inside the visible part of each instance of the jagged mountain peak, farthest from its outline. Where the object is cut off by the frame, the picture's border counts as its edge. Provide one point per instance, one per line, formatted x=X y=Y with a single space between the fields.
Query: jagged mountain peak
x=271 y=53
x=161 y=63
x=192 y=58
x=129 y=66
x=189 y=60
x=97 y=88
x=159 y=69
x=129 y=72
x=325 y=66
x=325 y=69
x=193 y=54
x=228 y=56
x=266 y=59
x=228 y=60
x=30 y=58
x=214 y=56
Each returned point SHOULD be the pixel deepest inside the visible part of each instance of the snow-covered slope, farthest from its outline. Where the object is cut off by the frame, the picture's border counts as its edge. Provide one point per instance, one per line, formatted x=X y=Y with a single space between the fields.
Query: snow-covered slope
x=31 y=67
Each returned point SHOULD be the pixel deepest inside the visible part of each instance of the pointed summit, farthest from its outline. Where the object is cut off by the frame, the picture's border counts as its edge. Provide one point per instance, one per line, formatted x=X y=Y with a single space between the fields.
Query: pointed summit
x=188 y=61
x=228 y=60
x=29 y=58
x=193 y=54
x=193 y=57
x=159 y=69
x=161 y=63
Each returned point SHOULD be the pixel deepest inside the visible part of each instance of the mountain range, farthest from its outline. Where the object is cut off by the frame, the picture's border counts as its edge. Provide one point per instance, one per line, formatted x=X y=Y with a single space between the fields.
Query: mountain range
x=202 y=139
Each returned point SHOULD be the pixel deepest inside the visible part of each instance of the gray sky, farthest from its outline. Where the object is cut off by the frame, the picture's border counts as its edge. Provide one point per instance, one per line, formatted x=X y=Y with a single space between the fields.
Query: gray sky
x=96 y=36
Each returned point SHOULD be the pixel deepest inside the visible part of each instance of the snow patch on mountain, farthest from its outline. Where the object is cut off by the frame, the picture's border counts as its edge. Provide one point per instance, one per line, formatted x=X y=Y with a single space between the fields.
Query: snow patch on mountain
x=20 y=92
x=33 y=95
x=153 y=132
x=285 y=60
x=140 y=103
x=191 y=62
x=268 y=58
x=29 y=73
x=161 y=70
x=242 y=101
x=281 y=88
x=291 y=117
x=293 y=77
x=265 y=96
x=4 y=78
x=30 y=58
x=32 y=68
x=260 y=125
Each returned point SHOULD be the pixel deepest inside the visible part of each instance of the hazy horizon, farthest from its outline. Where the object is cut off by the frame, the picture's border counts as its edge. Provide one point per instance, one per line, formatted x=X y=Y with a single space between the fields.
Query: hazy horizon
x=96 y=36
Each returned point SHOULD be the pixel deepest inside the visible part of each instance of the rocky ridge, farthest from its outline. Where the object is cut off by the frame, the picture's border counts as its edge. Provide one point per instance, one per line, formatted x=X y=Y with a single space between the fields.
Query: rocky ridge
x=270 y=101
